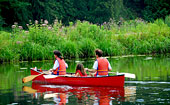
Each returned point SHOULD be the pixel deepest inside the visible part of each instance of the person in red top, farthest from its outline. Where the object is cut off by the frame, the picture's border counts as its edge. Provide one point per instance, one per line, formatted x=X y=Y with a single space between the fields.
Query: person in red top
x=80 y=71
x=101 y=65
x=60 y=66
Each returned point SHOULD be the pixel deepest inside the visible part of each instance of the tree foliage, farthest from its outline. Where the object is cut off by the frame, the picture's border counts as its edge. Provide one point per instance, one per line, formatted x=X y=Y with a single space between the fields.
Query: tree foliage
x=94 y=11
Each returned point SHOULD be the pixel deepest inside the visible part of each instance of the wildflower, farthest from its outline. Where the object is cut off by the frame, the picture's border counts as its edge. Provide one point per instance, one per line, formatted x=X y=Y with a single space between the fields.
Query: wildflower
x=43 y=25
x=36 y=21
x=49 y=28
x=104 y=23
x=20 y=27
x=13 y=26
x=26 y=31
x=45 y=21
x=55 y=21
x=19 y=42
x=27 y=25
x=16 y=23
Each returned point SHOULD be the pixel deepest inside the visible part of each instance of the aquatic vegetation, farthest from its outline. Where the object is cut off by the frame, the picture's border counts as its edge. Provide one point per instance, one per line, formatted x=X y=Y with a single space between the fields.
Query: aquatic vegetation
x=82 y=38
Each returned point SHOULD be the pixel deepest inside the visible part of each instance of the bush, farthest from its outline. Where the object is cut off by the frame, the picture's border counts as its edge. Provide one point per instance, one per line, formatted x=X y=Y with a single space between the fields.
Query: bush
x=82 y=38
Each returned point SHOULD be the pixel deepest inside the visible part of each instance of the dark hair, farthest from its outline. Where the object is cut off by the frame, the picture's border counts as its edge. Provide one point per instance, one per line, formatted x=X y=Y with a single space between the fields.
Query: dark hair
x=99 y=52
x=81 y=68
x=56 y=52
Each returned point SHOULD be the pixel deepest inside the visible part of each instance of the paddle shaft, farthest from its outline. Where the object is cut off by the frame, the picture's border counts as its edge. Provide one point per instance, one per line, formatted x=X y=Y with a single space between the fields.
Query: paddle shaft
x=128 y=75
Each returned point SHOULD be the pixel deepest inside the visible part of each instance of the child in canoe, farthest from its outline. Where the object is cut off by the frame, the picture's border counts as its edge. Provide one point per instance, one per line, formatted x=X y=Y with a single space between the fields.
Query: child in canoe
x=80 y=71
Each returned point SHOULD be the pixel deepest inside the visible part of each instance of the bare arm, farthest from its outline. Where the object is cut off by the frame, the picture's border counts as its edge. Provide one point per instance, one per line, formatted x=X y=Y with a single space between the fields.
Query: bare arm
x=91 y=70
x=77 y=74
x=109 y=69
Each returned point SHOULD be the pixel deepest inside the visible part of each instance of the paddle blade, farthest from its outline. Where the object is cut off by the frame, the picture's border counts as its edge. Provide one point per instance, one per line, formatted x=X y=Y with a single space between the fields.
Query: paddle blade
x=29 y=89
x=128 y=75
x=28 y=78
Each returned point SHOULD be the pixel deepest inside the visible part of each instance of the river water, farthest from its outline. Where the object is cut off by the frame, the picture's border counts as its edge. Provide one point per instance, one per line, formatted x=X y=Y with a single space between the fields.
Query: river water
x=151 y=85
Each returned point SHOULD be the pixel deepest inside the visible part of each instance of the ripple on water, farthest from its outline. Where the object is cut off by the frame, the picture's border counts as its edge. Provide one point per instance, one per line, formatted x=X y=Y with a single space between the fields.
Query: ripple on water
x=13 y=104
x=166 y=89
x=159 y=99
x=29 y=101
x=140 y=100
x=147 y=82
x=154 y=93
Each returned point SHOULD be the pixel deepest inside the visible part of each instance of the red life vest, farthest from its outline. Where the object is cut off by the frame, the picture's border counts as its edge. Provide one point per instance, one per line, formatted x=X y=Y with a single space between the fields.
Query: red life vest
x=63 y=100
x=61 y=70
x=104 y=100
x=81 y=75
x=103 y=65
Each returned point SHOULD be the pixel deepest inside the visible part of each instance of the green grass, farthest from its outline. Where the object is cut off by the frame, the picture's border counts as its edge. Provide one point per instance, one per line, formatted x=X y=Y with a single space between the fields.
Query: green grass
x=82 y=38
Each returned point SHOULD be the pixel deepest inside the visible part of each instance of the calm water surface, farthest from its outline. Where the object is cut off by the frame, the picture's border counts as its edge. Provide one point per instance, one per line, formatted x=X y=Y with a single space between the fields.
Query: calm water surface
x=151 y=85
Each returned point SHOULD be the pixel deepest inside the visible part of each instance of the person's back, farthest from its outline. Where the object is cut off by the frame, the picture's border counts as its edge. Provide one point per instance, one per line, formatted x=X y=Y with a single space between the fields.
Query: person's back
x=101 y=65
x=60 y=66
x=61 y=69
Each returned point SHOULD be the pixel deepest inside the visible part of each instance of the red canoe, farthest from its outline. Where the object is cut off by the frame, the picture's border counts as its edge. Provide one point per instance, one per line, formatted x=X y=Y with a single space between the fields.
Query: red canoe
x=113 y=81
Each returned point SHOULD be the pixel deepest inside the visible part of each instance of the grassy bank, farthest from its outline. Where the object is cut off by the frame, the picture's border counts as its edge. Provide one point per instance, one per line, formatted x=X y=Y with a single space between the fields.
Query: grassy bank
x=82 y=38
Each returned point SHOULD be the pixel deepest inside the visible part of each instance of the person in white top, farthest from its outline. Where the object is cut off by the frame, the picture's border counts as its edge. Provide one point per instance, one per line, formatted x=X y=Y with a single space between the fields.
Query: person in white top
x=60 y=66
x=101 y=66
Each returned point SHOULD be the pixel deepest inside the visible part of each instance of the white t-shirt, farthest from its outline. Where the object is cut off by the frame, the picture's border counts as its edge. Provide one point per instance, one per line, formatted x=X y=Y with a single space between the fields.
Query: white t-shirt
x=56 y=65
x=95 y=65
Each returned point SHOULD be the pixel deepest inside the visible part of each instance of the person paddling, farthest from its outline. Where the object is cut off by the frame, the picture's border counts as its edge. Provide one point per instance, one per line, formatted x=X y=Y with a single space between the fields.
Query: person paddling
x=60 y=66
x=80 y=71
x=101 y=65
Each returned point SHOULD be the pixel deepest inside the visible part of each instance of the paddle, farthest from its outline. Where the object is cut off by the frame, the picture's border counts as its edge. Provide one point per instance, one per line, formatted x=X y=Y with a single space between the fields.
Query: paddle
x=31 y=77
x=128 y=75
x=28 y=89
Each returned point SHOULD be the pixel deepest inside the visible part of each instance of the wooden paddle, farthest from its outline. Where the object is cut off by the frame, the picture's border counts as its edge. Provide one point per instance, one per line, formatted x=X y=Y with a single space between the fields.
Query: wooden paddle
x=128 y=75
x=28 y=89
x=31 y=77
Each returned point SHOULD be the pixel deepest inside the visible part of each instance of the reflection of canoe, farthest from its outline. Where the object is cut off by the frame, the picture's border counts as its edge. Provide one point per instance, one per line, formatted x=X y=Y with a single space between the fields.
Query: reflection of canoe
x=112 y=91
x=92 y=93
x=115 y=81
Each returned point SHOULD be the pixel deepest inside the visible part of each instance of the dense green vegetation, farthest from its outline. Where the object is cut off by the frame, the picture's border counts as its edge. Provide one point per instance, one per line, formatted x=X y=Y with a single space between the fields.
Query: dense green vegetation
x=77 y=27
x=82 y=38
x=94 y=11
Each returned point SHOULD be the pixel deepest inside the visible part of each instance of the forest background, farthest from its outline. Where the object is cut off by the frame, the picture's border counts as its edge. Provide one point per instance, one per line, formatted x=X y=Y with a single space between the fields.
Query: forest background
x=77 y=27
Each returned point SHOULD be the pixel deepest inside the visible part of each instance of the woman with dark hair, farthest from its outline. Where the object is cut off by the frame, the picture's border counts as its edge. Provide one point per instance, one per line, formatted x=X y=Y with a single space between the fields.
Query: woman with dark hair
x=80 y=71
x=60 y=66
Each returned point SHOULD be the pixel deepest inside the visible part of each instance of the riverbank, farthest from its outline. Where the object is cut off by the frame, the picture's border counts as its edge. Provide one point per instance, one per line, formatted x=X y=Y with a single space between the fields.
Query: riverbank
x=82 y=38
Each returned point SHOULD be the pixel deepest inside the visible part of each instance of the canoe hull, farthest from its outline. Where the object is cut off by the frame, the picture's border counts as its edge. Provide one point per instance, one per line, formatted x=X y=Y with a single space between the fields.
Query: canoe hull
x=113 y=81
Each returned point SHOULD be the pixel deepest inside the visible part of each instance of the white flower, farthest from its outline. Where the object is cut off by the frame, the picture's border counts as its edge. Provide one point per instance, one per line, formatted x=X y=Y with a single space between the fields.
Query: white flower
x=45 y=21
x=13 y=26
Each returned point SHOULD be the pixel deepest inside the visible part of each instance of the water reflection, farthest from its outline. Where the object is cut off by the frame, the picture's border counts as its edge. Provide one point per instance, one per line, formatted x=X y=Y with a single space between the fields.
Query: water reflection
x=151 y=86
x=130 y=93
x=81 y=95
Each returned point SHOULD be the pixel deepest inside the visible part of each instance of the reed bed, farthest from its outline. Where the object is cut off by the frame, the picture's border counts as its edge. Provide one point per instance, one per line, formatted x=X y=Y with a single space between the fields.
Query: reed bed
x=82 y=38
